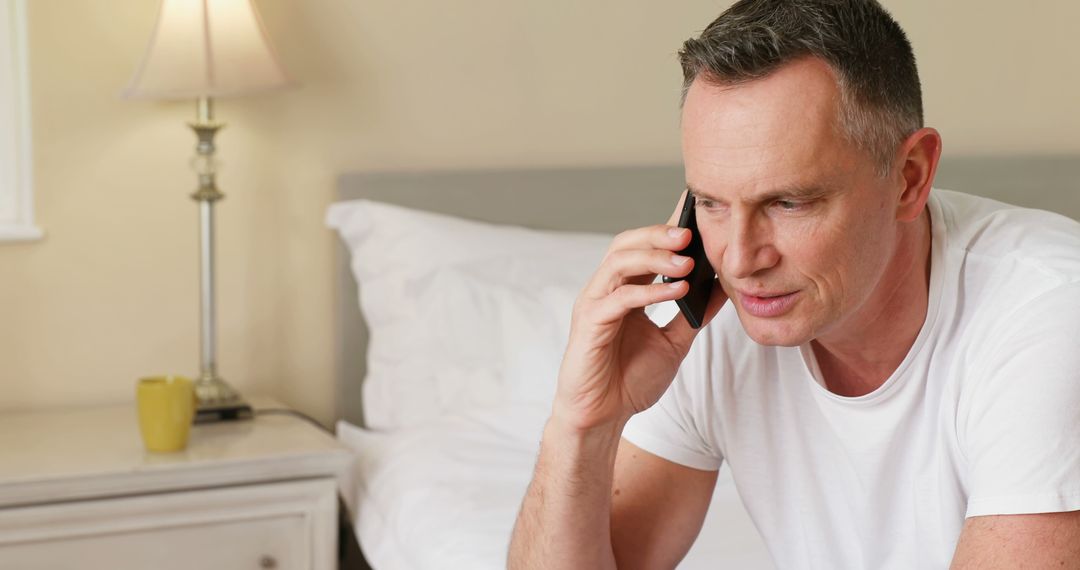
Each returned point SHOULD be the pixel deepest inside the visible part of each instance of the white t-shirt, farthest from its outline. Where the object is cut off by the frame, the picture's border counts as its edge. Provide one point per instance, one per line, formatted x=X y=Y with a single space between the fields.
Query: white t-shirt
x=981 y=417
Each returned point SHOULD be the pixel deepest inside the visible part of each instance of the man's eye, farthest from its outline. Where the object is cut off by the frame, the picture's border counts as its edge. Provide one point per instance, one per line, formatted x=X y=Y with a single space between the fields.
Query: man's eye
x=706 y=203
x=789 y=205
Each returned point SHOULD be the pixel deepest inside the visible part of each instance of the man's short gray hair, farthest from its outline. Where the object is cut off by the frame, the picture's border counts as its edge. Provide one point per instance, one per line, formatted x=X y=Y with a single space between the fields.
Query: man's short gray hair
x=880 y=97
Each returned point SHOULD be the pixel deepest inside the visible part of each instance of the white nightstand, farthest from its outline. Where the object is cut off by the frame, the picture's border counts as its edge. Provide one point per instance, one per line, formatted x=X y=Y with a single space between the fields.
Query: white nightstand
x=77 y=490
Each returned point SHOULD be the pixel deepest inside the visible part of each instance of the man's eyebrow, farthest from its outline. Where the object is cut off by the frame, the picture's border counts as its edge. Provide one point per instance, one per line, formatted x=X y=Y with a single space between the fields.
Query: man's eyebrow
x=781 y=193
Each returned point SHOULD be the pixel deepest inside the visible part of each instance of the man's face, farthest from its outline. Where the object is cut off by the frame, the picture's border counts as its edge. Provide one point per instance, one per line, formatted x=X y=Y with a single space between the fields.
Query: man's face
x=786 y=205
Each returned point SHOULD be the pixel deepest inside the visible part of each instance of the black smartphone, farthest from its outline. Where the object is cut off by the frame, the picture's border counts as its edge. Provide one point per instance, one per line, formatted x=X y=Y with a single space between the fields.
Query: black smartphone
x=701 y=280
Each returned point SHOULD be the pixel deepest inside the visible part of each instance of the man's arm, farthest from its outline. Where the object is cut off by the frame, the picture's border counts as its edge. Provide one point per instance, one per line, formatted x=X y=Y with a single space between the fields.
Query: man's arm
x=564 y=520
x=658 y=508
x=1046 y=540
x=596 y=499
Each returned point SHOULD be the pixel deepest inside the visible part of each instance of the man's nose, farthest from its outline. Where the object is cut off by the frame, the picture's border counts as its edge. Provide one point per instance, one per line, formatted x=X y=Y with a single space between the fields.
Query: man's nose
x=749 y=247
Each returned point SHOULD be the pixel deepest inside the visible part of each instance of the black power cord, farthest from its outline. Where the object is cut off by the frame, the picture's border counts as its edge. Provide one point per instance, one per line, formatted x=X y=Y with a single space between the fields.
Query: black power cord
x=350 y=557
x=288 y=412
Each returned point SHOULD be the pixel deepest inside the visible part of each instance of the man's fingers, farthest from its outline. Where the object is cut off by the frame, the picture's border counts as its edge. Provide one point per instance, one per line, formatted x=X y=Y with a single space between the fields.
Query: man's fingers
x=618 y=269
x=637 y=267
x=659 y=236
x=624 y=280
x=626 y=298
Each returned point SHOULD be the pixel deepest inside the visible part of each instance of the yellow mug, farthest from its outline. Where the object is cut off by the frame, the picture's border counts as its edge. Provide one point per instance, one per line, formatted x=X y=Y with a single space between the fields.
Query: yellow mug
x=166 y=409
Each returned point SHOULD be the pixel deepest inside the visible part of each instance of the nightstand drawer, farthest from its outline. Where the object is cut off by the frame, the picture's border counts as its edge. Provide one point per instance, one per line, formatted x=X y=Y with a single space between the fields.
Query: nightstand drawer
x=270 y=543
x=281 y=525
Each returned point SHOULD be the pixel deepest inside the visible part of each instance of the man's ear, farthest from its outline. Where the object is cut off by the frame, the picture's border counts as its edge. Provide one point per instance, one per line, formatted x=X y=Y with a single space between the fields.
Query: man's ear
x=918 y=160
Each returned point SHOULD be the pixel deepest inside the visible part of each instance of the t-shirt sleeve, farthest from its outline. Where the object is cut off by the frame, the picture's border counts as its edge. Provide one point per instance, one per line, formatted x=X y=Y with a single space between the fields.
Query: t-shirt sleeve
x=673 y=427
x=1022 y=433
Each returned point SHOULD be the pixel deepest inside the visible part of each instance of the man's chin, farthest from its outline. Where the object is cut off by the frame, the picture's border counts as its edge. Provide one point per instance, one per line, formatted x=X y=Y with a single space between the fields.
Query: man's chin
x=774 y=332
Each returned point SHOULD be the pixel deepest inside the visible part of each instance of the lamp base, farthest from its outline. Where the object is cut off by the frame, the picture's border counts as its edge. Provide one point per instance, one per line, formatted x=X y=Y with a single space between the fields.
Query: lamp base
x=220 y=413
x=217 y=401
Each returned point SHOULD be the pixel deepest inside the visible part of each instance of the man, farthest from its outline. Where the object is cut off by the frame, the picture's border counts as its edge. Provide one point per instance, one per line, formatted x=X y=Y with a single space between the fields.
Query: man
x=893 y=373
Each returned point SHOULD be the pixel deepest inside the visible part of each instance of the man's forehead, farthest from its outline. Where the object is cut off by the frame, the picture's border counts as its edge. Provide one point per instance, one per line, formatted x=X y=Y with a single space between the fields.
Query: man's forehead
x=792 y=85
x=774 y=134
x=799 y=98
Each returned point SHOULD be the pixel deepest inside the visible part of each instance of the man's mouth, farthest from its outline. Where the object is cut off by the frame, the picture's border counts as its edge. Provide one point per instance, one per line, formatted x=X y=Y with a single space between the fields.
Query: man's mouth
x=767 y=304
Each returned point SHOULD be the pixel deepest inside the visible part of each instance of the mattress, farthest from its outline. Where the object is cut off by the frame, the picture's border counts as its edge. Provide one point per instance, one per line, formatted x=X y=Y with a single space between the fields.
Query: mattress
x=445 y=495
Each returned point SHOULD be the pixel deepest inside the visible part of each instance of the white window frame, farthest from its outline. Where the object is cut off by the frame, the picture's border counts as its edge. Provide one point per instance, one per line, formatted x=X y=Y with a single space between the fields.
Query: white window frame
x=16 y=176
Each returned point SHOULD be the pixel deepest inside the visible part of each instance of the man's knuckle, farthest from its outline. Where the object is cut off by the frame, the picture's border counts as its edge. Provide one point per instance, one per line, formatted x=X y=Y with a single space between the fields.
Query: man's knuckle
x=619 y=240
x=618 y=258
x=624 y=295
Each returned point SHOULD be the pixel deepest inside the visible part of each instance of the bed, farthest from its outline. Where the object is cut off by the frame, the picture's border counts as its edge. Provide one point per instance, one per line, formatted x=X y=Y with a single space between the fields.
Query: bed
x=449 y=348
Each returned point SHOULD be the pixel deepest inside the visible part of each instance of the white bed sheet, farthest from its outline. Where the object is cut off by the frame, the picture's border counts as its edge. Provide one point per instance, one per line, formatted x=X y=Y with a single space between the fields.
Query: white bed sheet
x=445 y=495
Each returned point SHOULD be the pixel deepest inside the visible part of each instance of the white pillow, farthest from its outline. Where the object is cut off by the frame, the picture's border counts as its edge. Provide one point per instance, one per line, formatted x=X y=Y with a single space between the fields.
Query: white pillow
x=461 y=314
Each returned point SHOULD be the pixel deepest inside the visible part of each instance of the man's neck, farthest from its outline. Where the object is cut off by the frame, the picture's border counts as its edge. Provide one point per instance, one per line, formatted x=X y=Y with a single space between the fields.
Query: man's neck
x=859 y=359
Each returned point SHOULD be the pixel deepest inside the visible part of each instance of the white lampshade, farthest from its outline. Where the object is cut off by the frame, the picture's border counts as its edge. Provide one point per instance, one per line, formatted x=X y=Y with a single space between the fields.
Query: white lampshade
x=207 y=48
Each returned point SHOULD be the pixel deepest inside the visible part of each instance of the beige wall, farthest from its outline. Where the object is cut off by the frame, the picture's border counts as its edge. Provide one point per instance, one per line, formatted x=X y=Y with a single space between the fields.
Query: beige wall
x=111 y=293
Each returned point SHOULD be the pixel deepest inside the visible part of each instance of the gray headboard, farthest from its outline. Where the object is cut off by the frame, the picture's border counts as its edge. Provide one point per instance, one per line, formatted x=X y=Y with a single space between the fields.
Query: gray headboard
x=613 y=199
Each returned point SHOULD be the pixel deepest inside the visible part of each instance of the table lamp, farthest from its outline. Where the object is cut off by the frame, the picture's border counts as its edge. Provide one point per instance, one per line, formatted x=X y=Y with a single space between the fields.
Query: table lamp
x=202 y=49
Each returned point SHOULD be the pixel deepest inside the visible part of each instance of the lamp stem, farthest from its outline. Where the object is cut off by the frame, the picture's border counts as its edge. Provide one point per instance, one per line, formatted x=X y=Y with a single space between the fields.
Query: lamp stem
x=208 y=366
x=216 y=397
x=205 y=150
x=204 y=107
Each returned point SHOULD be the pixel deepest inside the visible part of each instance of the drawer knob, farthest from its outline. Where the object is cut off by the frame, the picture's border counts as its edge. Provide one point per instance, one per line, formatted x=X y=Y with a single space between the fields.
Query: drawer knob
x=267 y=561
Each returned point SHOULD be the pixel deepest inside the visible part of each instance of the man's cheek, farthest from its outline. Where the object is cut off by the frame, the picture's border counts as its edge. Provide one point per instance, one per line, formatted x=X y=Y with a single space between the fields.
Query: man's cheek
x=802 y=230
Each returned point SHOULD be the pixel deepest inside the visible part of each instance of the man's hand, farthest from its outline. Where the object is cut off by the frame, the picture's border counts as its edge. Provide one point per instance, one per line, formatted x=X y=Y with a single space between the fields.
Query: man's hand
x=1046 y=540
x=618 y=362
